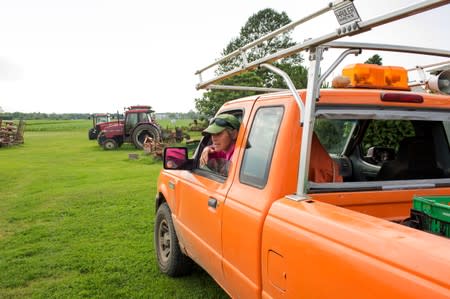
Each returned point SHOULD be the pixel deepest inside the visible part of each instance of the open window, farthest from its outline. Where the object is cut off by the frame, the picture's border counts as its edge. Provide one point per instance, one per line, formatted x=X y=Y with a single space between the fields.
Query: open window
x=206 y=141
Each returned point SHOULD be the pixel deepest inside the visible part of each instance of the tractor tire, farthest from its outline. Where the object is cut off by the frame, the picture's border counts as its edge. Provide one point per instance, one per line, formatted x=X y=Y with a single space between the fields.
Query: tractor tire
x=143 y=131
x=92 y=134
x=110 y=144
x=171 y=261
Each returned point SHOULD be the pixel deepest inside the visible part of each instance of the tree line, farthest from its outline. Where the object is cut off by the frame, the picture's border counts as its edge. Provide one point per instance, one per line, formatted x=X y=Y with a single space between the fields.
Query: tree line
x=73 y=116
x=39 y=115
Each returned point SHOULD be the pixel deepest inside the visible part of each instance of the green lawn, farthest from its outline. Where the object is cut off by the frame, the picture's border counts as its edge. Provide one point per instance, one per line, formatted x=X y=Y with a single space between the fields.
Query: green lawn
x=77 y=221
x=52 y=125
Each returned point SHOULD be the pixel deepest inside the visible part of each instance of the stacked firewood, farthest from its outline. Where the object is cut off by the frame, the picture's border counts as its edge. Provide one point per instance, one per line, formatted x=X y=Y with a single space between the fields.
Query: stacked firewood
x=10 y=134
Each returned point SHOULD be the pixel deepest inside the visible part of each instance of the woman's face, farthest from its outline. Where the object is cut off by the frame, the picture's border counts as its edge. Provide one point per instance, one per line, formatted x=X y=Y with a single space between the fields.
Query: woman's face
x=222 y=140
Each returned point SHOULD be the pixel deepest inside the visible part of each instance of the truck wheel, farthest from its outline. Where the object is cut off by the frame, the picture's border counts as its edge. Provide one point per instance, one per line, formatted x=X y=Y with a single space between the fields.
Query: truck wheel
x=171 y=260
x=143 y=131
x=110 y=144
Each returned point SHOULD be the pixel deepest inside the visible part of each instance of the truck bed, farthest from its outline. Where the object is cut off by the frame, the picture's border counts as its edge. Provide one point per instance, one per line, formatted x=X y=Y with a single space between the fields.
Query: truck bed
x=367 y=257
x=386 y=201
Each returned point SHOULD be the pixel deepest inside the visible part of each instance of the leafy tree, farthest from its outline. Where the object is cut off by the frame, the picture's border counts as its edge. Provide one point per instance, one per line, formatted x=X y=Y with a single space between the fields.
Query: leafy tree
x=212 y=100
x=375 y=59
x=191 y=114
x=258 y=25
x=387 y=133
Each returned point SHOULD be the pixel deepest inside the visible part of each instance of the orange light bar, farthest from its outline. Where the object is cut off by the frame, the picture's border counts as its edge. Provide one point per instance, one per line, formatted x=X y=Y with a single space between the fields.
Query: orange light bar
x=376 y=76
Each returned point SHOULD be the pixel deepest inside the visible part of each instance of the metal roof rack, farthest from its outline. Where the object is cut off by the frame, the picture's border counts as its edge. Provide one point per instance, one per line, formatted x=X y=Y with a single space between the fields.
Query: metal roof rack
x=352 y=28
x=432 y=68
x=350 y=24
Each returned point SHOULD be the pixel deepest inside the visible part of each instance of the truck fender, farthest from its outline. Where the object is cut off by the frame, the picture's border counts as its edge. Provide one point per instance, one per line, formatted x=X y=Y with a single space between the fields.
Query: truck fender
x=161 y=196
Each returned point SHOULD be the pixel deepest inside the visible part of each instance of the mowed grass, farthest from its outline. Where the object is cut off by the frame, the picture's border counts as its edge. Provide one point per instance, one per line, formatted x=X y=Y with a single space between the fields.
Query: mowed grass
x=52 y=125
x=77 y=221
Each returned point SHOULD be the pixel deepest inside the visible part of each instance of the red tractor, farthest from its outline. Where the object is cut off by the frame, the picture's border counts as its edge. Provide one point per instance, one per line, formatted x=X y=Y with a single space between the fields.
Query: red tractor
x=138 y=123
x=99 y=122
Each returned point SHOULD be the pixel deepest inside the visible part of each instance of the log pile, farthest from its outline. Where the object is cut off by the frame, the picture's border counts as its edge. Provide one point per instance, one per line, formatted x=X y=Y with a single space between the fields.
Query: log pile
x=10 y=134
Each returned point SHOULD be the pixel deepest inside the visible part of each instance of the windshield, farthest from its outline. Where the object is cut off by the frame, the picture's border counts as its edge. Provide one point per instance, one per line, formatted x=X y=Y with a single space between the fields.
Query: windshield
x=102 y=119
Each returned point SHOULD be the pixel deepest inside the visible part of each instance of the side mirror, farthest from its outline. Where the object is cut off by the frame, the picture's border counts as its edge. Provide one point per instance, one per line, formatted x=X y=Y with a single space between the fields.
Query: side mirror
x=378 y=155
x=175 y=157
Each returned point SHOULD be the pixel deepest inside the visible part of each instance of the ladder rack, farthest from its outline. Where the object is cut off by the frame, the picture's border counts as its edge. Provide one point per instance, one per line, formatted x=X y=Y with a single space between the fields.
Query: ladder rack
x=363 y=46
x=352 y=28
x=274 y=33
x=431 y=68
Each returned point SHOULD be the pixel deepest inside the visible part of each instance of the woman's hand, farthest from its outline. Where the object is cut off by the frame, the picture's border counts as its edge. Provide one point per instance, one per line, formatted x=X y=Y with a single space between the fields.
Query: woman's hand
x=204 y=156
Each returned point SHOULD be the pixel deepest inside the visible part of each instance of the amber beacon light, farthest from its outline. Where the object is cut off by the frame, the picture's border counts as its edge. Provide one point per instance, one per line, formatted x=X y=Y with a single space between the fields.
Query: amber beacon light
x=375 y=76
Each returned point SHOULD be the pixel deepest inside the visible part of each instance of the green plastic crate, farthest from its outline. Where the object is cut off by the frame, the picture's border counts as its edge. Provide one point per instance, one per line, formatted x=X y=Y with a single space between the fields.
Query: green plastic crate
x=434 y=213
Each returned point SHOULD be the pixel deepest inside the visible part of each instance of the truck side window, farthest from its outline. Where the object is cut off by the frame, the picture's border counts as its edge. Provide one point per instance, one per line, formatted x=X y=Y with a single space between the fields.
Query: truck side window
x=260 y=144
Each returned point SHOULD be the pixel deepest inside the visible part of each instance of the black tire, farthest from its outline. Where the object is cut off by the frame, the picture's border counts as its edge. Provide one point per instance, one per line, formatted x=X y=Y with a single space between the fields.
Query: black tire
x=92 y=134
x=171 y=260
x=110 y=144
x=143 y=131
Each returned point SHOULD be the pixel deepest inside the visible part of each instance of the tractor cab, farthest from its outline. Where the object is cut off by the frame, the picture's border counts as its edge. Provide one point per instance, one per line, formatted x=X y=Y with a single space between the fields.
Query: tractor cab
x=135 y=116
x=99 y=120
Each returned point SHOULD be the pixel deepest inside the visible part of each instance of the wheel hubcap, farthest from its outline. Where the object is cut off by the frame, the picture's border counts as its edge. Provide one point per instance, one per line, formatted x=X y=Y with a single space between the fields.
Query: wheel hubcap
x=164 y=241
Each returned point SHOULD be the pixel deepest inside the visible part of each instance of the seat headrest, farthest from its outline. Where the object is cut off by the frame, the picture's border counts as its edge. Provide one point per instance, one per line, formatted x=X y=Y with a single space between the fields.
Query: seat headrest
x=417 y=150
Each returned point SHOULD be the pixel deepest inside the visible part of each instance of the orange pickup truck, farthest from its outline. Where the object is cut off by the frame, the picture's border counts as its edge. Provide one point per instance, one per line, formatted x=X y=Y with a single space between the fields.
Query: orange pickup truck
x=277 y=227
x=345 y=238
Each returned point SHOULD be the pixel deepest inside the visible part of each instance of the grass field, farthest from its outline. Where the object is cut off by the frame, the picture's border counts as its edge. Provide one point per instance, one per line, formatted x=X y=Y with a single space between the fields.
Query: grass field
x=77 y=221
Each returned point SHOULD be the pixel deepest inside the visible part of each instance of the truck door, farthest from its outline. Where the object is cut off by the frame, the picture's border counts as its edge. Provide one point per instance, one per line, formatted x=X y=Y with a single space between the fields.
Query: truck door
x=263 y=175
x=200 y=201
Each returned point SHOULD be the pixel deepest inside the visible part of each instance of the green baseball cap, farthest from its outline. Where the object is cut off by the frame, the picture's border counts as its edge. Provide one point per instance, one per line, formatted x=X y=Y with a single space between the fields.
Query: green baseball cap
x=220 y=123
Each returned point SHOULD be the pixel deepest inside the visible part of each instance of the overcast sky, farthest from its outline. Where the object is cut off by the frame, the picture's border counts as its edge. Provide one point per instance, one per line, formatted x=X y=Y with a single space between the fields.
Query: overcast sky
x=67 y=56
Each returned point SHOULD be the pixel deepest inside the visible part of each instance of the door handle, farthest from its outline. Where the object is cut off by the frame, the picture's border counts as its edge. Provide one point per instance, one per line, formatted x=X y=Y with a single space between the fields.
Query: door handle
x=212 y=202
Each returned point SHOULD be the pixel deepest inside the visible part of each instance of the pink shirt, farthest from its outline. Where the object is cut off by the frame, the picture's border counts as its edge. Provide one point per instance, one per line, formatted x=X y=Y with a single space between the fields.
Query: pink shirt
x=223 y=154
